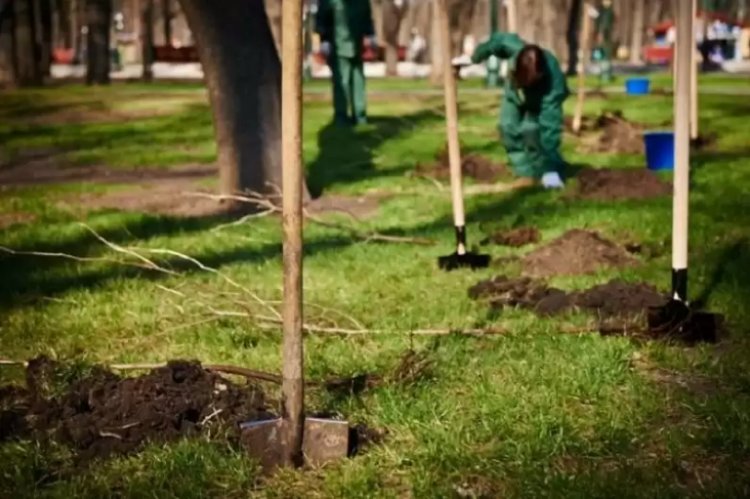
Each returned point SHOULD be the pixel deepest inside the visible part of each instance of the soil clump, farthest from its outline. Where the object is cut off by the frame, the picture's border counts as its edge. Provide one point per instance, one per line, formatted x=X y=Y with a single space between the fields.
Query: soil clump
x=103 y=414
x=615 y=299
x=610 y=132
x=515 y=238
x=620 y=184
x=575 y=252
x=478 y=167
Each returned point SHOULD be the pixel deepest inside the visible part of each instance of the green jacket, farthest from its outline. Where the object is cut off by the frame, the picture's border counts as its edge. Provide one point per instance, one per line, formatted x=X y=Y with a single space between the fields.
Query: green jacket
x=531 y=120
x=507 y=46
x=345 y=24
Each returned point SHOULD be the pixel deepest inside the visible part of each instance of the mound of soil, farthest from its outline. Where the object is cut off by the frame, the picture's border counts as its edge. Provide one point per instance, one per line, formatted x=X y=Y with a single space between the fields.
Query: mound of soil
x=475 y=166
x=575 y=252
x=613 y=299
x=619 y=298
x=705 y=141
x=501 y=292
x=103 y=414
x=611 y=132
x=515 y=238
x=617 y=184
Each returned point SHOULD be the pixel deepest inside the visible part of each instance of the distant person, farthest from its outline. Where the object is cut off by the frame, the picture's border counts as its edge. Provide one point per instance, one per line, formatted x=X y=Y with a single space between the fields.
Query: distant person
x=343 y=26
x=531 y=115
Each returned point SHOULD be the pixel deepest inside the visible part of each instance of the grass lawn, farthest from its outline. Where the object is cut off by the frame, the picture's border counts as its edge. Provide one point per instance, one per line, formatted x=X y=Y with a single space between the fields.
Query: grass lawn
x=536 y=412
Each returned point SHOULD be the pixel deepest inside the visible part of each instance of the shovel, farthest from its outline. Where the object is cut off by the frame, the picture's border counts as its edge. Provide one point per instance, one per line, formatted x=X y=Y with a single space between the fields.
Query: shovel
x=461 y=258
x=292 y=439
x=676 y=319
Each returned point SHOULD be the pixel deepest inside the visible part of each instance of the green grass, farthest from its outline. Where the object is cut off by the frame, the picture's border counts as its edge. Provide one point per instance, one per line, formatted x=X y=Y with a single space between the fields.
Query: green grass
x=534 y=413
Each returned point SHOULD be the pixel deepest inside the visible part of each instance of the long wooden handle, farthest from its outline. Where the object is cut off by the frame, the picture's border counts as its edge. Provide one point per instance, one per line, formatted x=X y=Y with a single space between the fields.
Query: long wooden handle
x=694 y=125
x=684 y=57
x=583 y=44
x=451 y=116
x=293 y=385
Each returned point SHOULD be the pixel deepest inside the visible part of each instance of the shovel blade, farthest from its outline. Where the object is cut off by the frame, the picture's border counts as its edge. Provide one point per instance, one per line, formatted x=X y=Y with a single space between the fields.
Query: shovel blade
x=676 y=320
x=262 y=440
x=325 y=440
x=467 y=260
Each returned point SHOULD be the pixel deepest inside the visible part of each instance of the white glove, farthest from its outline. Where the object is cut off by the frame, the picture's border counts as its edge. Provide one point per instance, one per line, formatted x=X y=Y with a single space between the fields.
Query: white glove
x=552 y=180
x=325 y=48
x=462 y=60
x=372 y=41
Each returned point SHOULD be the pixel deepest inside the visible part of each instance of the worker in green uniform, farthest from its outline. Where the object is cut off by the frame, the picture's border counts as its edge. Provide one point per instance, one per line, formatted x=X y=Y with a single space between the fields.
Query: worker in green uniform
x=605 y=21
x=343 y=26
x=531 y=116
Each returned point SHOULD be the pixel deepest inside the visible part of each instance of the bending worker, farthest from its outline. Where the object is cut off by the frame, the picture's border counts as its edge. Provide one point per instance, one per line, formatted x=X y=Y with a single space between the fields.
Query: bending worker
x=343 y=25
x=531 y=116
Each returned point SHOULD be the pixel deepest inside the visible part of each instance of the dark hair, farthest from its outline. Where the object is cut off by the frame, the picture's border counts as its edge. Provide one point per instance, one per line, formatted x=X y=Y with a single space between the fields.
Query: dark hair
x=530 y=67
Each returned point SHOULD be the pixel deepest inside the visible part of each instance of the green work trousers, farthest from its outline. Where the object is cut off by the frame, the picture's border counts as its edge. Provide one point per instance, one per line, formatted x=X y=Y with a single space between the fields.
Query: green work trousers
x=348 y=78
x=532 y=140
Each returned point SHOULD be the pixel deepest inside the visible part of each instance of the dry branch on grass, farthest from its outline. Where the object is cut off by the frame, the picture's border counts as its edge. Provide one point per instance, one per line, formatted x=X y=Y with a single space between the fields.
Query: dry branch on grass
x=267 y=207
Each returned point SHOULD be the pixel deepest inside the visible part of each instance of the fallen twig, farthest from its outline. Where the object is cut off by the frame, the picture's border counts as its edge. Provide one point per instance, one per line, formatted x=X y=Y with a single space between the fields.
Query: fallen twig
x=76 y=258
x=269 y=207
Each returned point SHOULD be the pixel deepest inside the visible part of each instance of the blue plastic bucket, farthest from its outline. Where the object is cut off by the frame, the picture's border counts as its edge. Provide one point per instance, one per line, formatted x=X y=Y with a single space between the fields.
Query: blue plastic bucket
x=637 y=86
x=659 y=150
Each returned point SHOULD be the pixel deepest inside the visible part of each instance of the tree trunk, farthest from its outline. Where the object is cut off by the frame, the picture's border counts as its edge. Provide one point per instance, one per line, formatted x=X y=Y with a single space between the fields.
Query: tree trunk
x=98 y=15
x=27 y=57
x=436 y=49
x=574 y=24
x=75 y=30
x=44 y=35
x=392 y=18
x=243 y=76
x=147 y=39
x=637 y=41
x=8 y=73
x=166 y=14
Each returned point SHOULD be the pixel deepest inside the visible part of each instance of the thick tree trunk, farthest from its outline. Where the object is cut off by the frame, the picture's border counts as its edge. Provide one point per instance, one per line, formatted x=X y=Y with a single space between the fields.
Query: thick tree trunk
x=98 y=15
x=636 y=44
x=166 y=15
x=147 y=39
x=436 y=49
x=27 y=56
x=574 y=24
x=44 y=35
x=392 y=17
x=8 y=74
x=243 y=75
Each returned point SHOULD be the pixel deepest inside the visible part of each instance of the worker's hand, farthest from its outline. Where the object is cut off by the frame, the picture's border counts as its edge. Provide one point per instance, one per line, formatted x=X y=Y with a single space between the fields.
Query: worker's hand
x=552 y=180
x=325 y=48
x=372 y=41
x=462 y=60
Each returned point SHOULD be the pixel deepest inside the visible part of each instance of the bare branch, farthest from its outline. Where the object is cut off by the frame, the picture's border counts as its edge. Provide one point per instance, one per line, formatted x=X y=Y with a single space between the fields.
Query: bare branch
x=76 y=258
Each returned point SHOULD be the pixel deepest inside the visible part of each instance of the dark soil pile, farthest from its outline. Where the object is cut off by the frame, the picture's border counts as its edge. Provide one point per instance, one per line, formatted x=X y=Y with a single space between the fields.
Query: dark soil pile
x=619 y=298
x=705 y=141
x=103 y=414
x=575 y=252
x=614 y=299
x=501 y=292
x=475 y=166
x=608 y=184
x=611 y=132
x=515 y=238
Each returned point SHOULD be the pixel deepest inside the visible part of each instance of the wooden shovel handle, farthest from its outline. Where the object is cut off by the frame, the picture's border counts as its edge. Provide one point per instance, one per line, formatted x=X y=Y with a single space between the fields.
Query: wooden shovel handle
x=451 y=115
